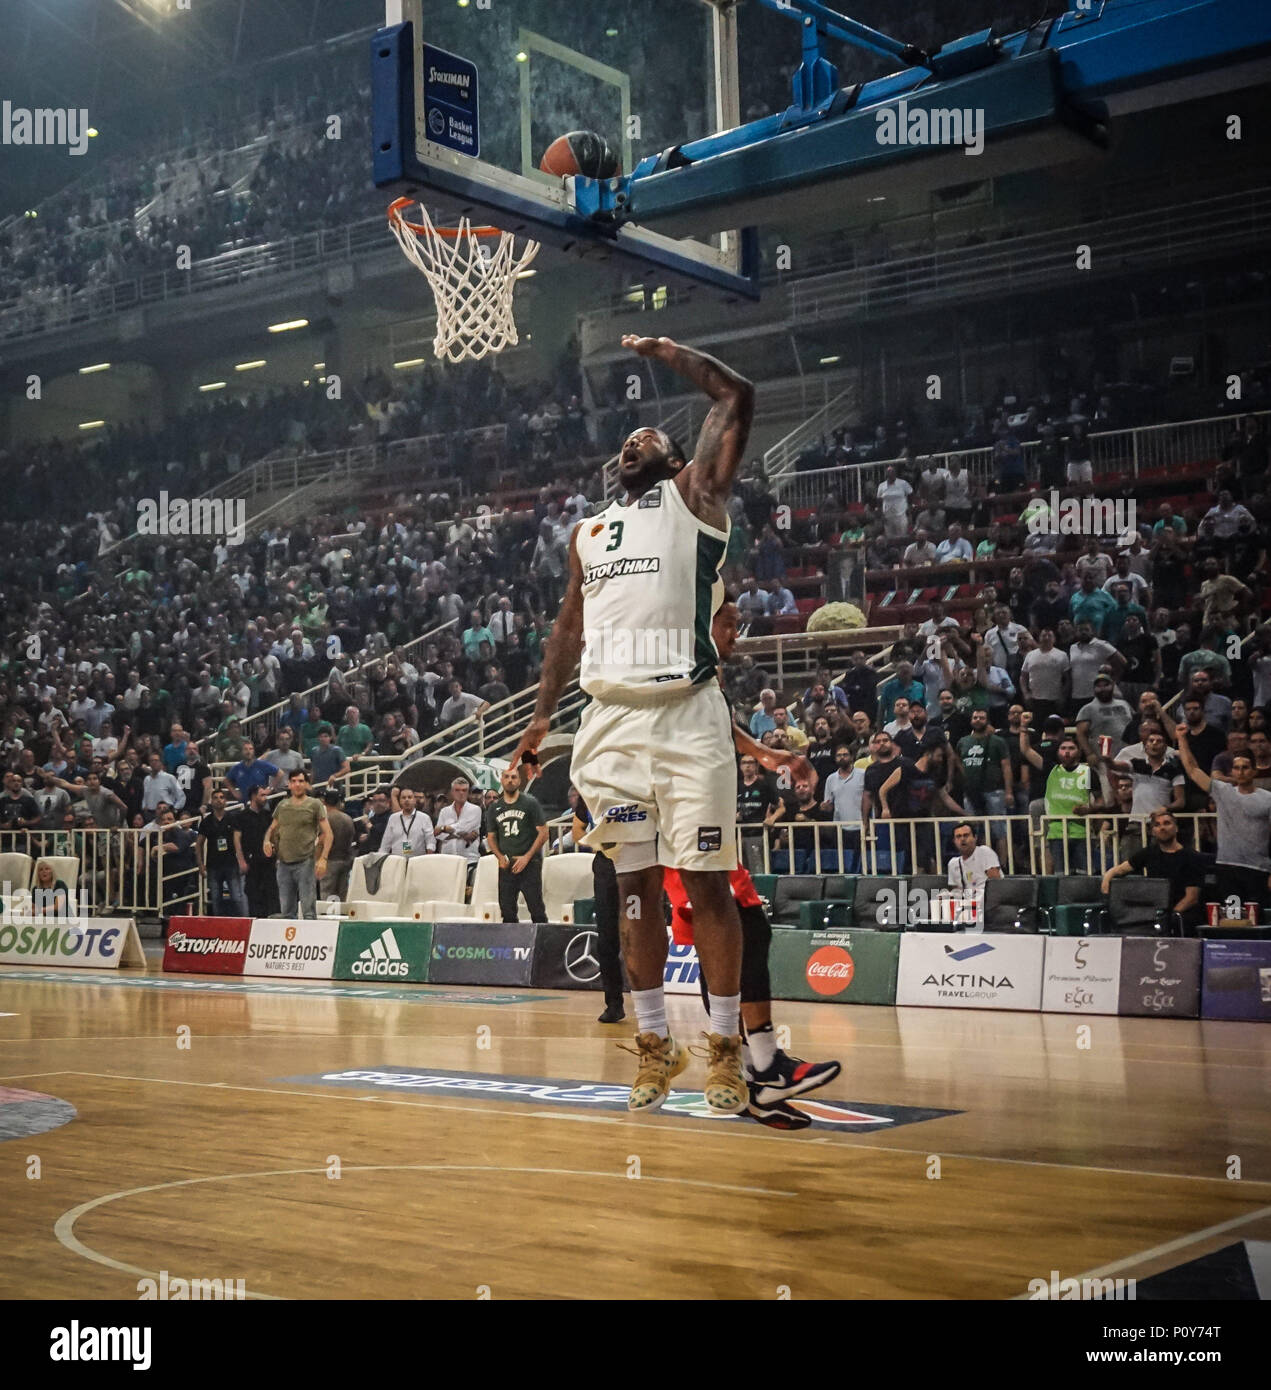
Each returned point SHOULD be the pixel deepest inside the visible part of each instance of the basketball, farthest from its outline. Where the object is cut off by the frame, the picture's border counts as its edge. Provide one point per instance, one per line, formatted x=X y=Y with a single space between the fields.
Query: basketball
x=581 y=152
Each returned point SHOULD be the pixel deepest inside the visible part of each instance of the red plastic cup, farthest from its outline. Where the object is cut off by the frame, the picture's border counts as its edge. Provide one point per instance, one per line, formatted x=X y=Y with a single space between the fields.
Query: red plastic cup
x=1251 y=912
x=1212 y=912
x=1105 y=745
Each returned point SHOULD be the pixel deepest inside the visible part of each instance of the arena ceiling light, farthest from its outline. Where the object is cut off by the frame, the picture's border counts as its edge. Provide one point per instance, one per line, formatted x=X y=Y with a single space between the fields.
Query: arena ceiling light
x=91 y=424
x=249 y=366
x=96 y=367
x=830 y=361
x=213 y=386
x=288 y=326
x=409 y=362
x=319 y=366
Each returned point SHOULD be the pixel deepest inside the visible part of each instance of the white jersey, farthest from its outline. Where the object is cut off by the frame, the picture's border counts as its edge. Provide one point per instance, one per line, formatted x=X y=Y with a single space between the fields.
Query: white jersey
x=651 y=586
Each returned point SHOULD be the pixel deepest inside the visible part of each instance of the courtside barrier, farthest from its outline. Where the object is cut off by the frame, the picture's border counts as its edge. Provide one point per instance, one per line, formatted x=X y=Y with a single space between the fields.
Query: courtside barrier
x=834 y=967
x=93 y=943
x=475 y=953
x=384 y=951
x=303 y=950
x=1236 y=982
x=1160 y=978
x=1153 y=977
x=962 y=970
x=207 y=945
x=1082 y=975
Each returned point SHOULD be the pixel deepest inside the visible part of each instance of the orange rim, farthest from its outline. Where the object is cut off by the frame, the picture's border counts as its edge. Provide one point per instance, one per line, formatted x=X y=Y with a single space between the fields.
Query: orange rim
x=395 y=215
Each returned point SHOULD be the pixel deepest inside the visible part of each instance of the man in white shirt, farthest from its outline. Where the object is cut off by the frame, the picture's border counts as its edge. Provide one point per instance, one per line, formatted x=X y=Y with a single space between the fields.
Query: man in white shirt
x=409 y=831
x=954 y=547
x=921 y=552
x=843 y=790
x=459 y=824
x=460 y=705
x=969 y=870
x=894 y=494
x=161 y=786
x=1002 y=639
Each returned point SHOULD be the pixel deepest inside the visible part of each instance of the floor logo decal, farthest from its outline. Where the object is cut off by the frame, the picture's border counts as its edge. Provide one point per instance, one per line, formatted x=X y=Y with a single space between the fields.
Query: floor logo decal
x=844 y=1116
x=24 y=1113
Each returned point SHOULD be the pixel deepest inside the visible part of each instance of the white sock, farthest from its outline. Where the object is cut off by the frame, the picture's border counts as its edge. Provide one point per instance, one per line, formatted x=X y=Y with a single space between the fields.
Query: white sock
x=725 y=1014
x=763 y=1046
x=650 y=1010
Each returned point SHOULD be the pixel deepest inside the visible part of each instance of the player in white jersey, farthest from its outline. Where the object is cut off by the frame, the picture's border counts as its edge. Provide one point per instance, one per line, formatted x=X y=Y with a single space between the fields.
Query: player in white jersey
x=653 y=758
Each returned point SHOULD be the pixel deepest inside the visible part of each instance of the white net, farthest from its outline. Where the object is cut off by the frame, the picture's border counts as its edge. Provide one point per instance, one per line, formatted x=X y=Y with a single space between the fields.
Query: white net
x=473 y=273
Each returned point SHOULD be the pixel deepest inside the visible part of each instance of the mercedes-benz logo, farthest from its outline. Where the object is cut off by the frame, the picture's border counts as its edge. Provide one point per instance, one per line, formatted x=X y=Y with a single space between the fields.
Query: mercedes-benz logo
x=580 y=959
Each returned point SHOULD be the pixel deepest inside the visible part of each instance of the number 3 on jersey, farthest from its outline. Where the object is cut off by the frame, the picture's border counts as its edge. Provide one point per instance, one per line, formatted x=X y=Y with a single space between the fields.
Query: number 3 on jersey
x=615 y=536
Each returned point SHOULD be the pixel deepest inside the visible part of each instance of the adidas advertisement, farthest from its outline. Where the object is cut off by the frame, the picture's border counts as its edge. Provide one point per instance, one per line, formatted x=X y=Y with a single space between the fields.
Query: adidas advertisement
x=393 y=951
x=967 y=970
x=294 y=950
x=207 y=945
x=834 y=967
x=481 y=953
x=1082 y=976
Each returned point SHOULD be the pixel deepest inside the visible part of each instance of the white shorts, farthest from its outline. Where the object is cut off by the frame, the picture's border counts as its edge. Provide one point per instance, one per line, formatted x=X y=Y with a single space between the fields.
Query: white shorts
x=665 y=770
x=1081 y=472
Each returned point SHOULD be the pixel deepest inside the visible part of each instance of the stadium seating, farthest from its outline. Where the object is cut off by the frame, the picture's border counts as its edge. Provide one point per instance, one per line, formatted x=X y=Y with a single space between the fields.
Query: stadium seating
x=433 y=886
x=866 y=907
x=1011 y=905
x=1078 y=907
x=386 y=900
x=1141 y=907
x=15 y=872
x=566 y=877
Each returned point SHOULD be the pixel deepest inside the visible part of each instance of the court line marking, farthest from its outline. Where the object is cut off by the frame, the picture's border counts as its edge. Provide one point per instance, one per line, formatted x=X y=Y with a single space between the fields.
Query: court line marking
x=1170 y=1247
x=64 y=1226
x=862 y=1140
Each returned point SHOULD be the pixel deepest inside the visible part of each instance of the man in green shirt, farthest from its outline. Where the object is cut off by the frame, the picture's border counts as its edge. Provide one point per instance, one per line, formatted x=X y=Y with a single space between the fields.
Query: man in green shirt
x=300 y=836
x=516 y=830
x=987 y=776
x=354 y=737
x=1067 y=795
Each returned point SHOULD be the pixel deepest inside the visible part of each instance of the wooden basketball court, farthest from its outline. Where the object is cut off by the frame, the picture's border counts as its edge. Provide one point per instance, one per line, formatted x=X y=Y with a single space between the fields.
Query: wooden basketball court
x=233 y=1158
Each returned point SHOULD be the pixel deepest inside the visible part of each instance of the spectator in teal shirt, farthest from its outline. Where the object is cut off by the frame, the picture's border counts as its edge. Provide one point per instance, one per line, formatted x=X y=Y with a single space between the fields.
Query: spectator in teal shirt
x=354 y=737
x=901 y=685
x=476 y=633
x=1091 y=604
x=1122 y=609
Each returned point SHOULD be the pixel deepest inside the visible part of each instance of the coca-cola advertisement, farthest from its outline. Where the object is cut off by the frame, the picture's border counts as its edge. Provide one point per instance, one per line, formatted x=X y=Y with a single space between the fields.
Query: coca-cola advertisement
x=834 y=967
x=207 y=945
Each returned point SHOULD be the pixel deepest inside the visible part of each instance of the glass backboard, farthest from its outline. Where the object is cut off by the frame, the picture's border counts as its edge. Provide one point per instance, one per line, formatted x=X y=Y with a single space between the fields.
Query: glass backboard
x=492 y=83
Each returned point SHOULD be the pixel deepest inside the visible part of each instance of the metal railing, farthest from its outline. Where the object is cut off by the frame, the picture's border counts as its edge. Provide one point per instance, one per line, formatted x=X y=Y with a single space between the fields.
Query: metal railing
x=779 y=459
x=125 y=872
x=271 y=714
x=1125 y=453
x=1134 y=241
x=118 y=871
x=245 y=266
x=1032 y=844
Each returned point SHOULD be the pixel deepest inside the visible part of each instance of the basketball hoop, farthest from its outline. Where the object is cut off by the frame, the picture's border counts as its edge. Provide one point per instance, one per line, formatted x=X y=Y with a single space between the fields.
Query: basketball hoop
x=473 y=273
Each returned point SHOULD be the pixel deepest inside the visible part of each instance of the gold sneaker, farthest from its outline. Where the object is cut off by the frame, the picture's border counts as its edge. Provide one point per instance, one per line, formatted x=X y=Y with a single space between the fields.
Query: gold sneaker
x=661 y=1061
x=726 y=1089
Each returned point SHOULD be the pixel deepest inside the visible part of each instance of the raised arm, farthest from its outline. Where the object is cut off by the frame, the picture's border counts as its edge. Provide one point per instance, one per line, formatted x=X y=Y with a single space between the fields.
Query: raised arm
x=561 y=658
x=1190 y=766
x=707 y=485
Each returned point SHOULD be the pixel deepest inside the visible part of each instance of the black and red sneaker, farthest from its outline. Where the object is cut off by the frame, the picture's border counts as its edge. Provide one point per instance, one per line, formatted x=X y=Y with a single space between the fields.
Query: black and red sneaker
x=777 y=1116
x=789 y=1076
